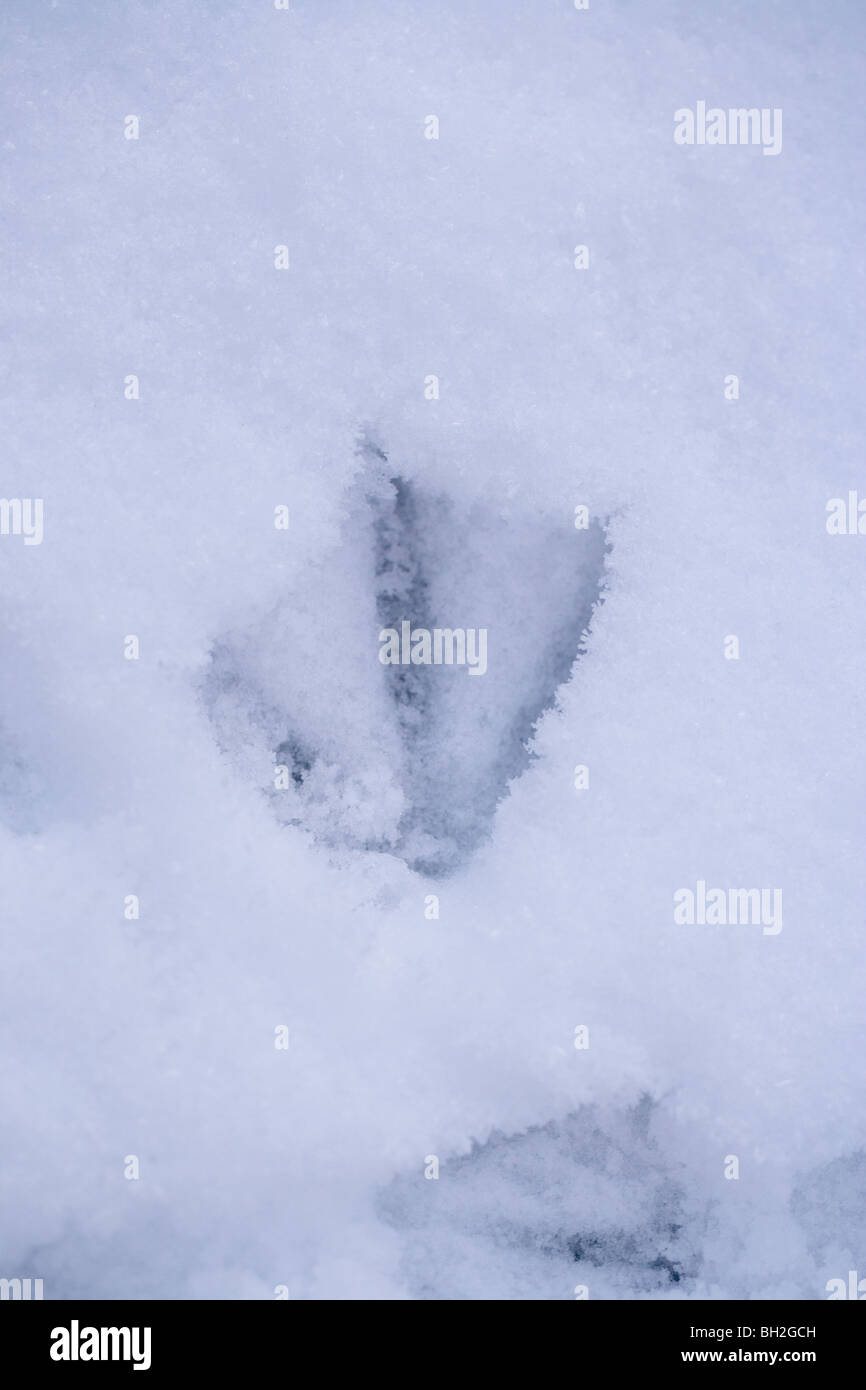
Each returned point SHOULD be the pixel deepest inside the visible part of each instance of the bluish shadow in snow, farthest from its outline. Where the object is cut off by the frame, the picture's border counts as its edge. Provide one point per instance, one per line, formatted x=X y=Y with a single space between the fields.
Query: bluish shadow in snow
x=453 y=742
x=586 y=1200
x=533 y=586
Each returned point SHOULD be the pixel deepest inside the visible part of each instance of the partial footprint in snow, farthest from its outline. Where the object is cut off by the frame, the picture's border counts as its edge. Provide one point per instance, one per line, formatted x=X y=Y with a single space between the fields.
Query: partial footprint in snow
x=587 y=1202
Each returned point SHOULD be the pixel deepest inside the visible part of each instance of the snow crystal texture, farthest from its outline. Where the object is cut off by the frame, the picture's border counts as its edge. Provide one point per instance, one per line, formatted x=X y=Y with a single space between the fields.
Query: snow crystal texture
x=337 y=978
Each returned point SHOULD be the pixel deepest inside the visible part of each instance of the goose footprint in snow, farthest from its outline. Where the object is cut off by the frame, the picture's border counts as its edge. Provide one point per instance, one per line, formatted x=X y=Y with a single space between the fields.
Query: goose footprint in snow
x=464 y=624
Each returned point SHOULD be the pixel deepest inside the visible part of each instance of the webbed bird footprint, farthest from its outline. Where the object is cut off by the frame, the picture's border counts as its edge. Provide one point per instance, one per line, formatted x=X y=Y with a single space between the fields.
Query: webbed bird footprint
x=411 y=757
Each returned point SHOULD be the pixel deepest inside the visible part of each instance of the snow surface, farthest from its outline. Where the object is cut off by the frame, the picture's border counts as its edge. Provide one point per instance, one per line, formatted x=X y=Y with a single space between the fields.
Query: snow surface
x=409 y=1035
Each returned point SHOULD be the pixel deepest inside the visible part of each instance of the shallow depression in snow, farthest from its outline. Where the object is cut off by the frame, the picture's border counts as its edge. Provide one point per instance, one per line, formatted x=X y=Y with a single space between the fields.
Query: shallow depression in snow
x=453 y=743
